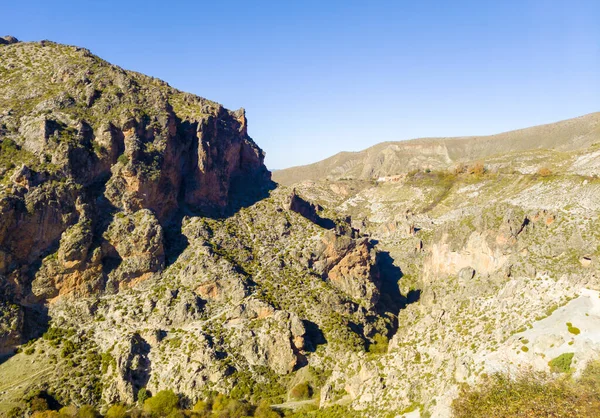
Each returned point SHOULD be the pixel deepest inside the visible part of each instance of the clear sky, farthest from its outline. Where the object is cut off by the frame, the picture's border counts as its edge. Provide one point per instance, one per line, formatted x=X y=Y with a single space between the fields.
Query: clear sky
x=319 y=77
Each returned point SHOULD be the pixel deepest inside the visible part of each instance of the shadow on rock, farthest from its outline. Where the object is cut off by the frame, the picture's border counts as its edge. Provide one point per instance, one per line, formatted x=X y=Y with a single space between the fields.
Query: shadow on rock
x=392 y=301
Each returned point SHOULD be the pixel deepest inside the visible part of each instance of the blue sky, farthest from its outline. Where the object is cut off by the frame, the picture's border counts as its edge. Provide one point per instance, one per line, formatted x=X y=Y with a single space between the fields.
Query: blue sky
x=319 y=77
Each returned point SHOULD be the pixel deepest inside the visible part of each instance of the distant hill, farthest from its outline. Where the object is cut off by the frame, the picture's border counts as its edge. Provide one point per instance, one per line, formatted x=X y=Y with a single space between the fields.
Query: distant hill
x=389 y=158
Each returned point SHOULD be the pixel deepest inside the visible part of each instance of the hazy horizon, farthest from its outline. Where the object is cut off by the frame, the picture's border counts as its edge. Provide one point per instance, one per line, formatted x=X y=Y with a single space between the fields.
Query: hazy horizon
x=319 y=79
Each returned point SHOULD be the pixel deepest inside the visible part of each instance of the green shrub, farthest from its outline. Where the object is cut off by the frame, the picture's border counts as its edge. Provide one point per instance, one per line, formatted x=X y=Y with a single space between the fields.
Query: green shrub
x=123 y=159
x=573 y=330
x=562 y=363
x=379 y=344
x=161 y=404
x=264 y=411
x=68 y=411
x=201 y=406
x=301 y=391
x=87 y=411
x=68 y=348
x=116 y=411
x=142 y=395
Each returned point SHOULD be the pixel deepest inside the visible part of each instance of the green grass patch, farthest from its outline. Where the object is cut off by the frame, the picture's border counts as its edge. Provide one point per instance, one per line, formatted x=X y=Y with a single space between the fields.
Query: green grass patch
x=562 y=363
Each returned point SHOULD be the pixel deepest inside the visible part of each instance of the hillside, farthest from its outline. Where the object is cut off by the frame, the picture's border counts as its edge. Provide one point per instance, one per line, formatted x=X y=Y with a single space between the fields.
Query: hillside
x=143 y=248
x=145 y=251
x=393 y=158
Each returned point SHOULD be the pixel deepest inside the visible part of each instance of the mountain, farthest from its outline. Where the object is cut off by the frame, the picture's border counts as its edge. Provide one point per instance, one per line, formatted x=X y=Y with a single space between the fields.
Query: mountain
x=499 y=242
x=142 y=246
x=393 y=158
x=145 y=251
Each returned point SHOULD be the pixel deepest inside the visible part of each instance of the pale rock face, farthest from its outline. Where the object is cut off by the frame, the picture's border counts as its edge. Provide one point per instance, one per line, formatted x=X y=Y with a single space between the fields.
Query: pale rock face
x=476 y=254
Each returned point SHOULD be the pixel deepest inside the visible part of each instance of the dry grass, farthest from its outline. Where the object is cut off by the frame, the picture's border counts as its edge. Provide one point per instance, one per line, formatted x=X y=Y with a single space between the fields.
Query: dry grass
x=532 y=395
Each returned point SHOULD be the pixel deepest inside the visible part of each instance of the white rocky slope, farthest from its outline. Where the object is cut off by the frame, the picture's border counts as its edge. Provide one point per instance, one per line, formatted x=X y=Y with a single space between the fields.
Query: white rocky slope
x=497 y=259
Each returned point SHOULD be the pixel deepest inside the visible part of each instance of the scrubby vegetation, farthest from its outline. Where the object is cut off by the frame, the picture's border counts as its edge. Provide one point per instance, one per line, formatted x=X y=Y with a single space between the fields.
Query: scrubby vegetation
x=533 y=395
x=544 y=172
x=167 y=403
x=562 y=363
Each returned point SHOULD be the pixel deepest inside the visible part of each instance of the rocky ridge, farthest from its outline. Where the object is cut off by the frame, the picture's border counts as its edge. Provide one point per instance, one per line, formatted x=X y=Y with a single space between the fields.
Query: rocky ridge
x=130 y=240
x=389 y=159
x=142 y=245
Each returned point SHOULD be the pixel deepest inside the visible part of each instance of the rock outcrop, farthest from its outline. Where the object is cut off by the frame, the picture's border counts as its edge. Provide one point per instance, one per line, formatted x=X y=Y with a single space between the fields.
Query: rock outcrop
x=350 y=265
x=7 y=40
x=97 y=162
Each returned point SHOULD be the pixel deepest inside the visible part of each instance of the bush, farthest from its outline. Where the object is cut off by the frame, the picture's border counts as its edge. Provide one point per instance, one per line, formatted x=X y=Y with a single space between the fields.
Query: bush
x=201 y=406
x=532 y=395
x=379 y=344
x=142 y=395
x=87 y=411
x=573 y=330
x=123 y=159
x=161 y=404
x=562 y=363
x=116 y=411
x=38 y=404
x=264 y=411
x=68 y=411
x=68 y=348
x=301 y=391
x=46 y=414
x=222 y=406
x=544 y=172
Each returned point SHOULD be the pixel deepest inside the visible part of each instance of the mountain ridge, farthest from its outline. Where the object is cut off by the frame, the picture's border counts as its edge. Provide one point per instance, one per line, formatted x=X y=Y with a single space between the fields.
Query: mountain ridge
x=455 y=149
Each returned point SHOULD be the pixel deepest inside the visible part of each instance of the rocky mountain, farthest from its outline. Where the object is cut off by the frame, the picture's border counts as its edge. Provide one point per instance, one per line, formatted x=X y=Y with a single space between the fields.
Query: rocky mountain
x=144 y=247
x=394 y=158
x=502 y=250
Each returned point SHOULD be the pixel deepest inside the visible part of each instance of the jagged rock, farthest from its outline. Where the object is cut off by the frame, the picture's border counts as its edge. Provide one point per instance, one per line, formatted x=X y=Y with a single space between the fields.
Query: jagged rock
x=7 y=40
x=11 y=327
x=465 y=274
x=137 y=241
x=349 y=265
x=273 y=344
x=131 y=368
x=308 y=210
x=133 y=146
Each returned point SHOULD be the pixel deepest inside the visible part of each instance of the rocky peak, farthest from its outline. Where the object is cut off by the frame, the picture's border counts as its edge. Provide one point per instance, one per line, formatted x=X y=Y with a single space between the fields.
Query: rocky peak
x=98 y=161
x=6 y=40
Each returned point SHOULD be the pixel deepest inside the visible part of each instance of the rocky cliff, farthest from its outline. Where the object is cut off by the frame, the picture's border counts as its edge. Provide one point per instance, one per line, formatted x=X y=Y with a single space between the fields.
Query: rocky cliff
x=141 y=236
x=143 y=247
x=97 y=161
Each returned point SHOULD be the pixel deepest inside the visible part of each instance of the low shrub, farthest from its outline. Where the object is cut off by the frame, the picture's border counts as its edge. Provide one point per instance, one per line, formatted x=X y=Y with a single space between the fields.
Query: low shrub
x=161 y=404
x=301 y=391
x=562 y=363
x=533 y=395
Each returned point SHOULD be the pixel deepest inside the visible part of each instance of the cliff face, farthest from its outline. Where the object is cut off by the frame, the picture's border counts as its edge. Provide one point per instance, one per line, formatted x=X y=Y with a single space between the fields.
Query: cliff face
x=97 y=161
x=140 y=232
